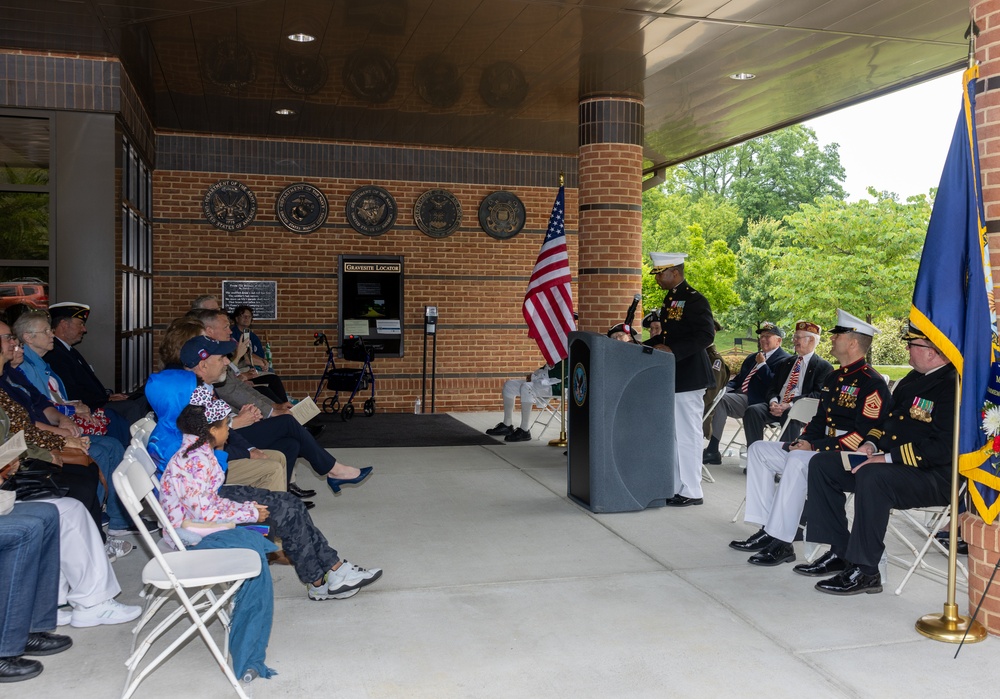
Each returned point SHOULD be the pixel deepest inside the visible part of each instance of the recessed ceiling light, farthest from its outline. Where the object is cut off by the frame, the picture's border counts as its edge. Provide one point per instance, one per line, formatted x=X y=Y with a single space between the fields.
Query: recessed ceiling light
x=742 y=76
x=285 y=111
x=301 y=37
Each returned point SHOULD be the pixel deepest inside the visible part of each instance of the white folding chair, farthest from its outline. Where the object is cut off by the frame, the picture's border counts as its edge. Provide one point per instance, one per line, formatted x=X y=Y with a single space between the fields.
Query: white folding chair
x=547 y=413
x=918 y=527
x=705 y=473
x=143 y=427
x=802 y=411
x=178 y=574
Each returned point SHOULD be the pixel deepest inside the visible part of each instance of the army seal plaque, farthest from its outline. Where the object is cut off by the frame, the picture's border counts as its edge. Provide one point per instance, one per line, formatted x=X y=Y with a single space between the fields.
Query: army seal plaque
x=229 y=205
x=302 y=208
x=437 y=213
x=371 y=210
x=501 y=215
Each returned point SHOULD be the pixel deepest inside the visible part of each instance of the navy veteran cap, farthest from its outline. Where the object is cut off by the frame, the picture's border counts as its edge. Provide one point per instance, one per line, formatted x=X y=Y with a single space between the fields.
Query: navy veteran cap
x=199 y=348
x=769 y=327
x=69 y=309
x=623 y=328
x=912 y=332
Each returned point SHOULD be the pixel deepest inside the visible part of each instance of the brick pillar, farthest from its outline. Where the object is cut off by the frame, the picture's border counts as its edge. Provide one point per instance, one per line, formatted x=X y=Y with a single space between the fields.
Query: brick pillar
x=610 y=206
x=983 y=540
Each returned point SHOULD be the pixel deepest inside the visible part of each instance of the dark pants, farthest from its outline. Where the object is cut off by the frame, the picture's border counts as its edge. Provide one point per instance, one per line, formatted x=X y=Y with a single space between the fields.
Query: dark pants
x=284 y=433
x=878 y=488
x=29 y=574
x=81 y=483
x=759 y=415
x=273 y=385
x=290 y=521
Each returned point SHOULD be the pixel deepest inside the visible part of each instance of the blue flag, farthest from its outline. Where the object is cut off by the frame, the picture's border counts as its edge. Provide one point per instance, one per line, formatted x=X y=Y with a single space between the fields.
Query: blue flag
x=953 y=299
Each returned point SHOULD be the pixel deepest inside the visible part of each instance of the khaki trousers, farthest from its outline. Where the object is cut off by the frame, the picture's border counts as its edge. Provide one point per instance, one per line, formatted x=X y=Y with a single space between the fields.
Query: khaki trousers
x=268 y=474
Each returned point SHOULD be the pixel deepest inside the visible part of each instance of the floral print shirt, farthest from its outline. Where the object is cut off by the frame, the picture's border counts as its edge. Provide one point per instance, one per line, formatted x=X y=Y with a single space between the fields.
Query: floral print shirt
x=189 y=489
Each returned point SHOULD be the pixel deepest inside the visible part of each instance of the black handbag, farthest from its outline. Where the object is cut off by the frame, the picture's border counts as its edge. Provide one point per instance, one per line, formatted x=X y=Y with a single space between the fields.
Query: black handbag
x=34 y=481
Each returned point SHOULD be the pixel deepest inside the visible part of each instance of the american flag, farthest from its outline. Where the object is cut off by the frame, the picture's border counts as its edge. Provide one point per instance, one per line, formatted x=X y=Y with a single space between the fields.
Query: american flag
x=548 y=303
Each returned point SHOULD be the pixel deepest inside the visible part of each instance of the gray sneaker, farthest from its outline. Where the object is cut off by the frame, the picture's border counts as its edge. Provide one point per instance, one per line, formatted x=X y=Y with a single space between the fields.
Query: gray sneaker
x=116 y=548
x=344 y=582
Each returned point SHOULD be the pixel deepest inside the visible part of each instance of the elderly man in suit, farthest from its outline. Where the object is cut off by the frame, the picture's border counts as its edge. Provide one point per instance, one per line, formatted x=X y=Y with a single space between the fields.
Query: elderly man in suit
x=748 y=388
x=796 y=377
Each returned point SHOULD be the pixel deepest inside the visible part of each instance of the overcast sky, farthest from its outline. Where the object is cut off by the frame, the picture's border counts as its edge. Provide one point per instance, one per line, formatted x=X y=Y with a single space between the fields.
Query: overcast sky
x=897 y=142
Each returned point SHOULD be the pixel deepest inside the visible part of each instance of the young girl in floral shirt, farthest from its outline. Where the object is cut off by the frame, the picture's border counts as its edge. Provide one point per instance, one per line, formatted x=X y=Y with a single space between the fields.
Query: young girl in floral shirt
x=192 y=487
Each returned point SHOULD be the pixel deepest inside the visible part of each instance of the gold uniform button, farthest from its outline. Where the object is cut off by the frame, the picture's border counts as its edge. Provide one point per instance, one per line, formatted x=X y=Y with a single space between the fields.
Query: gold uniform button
x=894 y=438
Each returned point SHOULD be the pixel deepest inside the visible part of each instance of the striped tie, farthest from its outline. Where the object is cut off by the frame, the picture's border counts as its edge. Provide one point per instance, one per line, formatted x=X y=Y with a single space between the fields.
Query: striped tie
x=793 y=381
x=746 y=381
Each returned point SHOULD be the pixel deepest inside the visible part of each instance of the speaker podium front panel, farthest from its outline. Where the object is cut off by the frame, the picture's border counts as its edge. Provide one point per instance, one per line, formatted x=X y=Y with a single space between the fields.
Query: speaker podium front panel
x=621 y=424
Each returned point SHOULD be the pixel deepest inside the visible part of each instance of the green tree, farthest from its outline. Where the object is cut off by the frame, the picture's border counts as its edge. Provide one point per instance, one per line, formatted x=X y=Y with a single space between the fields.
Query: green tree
x=860 y=256
x=24 y=217
x=710 y=268
x=755 y=276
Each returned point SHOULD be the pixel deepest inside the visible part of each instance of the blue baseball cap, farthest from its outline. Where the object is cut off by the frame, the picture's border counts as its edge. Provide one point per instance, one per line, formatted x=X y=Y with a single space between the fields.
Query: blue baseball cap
x=201 y=347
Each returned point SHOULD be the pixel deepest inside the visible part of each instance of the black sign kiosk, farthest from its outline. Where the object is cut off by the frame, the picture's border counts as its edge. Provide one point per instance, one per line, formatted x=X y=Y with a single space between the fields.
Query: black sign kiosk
x=621 y=424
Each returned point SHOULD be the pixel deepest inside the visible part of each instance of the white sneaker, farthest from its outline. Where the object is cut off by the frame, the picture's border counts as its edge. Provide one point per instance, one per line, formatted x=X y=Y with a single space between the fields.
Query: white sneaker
x=116 y=548
x=63 y=616
x=344 y=582
x=107 y=612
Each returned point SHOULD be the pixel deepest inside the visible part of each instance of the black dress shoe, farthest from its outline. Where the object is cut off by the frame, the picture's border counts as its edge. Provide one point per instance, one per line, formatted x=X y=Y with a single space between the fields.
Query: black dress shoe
x=827 y=564
x=713 y=458
x=501 y=430
x=851 y=582
x=758 y=541
x=681 y=501
x=518 y=435
x=776 y=553
x=18 y=669
x=45 y=643
x=300 y=492
x=962 y=548
x=308 y=504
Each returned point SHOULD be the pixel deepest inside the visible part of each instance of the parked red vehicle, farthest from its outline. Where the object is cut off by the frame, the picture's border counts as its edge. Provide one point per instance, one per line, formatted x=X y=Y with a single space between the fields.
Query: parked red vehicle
x=30 y=291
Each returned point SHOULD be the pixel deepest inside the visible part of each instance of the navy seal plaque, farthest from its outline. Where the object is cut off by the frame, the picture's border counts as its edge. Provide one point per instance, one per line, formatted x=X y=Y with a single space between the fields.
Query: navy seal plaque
x=229 y=205
x=501 y=215
x=371 y=210
x=437 y=213
x=302 y=208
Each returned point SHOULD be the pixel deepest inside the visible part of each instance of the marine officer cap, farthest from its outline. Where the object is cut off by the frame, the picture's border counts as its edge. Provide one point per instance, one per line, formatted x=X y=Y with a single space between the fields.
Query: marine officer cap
x=665 y=260
x=846 y=323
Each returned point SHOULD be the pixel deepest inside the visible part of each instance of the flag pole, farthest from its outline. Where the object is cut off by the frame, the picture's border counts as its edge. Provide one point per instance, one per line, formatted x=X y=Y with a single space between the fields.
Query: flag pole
x=950 y=626
x=561 y=441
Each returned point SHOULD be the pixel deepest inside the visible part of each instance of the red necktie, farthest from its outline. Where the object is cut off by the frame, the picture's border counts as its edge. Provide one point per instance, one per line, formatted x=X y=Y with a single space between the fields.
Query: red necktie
x=793 y=381
x=746 y=381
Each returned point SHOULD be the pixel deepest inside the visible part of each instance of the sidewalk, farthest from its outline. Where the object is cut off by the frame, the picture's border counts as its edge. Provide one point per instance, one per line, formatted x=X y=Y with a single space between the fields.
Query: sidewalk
x=496 y=585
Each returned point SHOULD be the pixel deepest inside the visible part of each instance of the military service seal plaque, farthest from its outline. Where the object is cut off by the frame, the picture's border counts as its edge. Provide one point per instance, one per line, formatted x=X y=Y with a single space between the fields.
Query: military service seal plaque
x=502 y=215
x=229 y=205
x=371 y=210
x=437 y=213
x=302 y=208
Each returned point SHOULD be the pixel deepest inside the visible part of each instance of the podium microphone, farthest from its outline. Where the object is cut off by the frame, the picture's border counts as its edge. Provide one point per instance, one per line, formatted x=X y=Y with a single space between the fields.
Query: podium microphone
x=630 y=316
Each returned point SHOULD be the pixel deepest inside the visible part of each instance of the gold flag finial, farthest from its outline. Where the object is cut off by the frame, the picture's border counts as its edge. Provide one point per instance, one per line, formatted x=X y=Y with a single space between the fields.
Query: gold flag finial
x=562 y=178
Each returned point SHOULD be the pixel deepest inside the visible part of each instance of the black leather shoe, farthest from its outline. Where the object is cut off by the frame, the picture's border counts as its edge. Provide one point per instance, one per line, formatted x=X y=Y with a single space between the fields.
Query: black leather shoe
x=316 y=430
x=851 y=582
x=962 y=548
x=827 y=564
x=681 y=501
x=300 y=492
x=501 y=430
x=18 y=669
x=758 y=541
x=45 y=643
x=518 y=435
x=308 y=504
x=776 y=553
x=713 y=458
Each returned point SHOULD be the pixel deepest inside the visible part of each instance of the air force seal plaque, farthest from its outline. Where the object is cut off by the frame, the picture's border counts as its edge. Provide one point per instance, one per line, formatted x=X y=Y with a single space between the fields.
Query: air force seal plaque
x=371 y=210
x=437 y=213
x=229 y=205
x=302 y=208
x=501 y=215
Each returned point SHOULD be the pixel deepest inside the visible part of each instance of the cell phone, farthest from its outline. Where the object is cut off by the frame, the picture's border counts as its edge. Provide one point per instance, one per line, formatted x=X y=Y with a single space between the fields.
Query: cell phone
x=246 y=336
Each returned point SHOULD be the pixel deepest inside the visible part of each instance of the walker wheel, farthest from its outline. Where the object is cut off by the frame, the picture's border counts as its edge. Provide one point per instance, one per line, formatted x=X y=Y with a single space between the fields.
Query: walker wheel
x=369 y=407
x=348 y=412
x=330 y=405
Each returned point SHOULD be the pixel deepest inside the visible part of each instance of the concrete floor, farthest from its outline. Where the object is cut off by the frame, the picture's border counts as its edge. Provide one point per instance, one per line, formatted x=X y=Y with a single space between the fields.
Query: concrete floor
x=496 y=585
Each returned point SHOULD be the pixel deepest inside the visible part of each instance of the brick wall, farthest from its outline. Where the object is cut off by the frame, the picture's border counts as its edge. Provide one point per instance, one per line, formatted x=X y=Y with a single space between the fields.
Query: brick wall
x=476 y=282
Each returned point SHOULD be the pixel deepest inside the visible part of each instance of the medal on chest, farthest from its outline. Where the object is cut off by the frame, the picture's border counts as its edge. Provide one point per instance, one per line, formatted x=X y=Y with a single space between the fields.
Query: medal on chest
x=921 y=409
x=848 y=397
x=676 y=310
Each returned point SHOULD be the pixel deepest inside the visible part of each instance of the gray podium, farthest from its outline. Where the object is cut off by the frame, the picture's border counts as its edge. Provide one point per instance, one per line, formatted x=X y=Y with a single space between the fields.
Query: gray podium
x=621 y=424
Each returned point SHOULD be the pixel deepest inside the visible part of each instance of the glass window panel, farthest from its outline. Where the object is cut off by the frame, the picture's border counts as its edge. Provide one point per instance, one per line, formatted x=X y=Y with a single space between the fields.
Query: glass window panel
x=24 y=150
x=24 y=226
x=27 y=285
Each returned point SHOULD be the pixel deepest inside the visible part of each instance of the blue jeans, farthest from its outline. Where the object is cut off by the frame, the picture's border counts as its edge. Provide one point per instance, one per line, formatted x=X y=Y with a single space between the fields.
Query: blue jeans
x=29 y=574
x=107 y=452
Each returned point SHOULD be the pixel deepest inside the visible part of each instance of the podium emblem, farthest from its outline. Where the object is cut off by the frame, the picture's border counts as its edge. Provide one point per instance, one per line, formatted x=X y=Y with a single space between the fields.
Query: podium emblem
x=580 y=385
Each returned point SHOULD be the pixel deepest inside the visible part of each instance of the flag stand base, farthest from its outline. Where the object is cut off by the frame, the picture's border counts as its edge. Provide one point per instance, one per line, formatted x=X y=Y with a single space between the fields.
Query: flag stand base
x=951 y=627
x=560 y=441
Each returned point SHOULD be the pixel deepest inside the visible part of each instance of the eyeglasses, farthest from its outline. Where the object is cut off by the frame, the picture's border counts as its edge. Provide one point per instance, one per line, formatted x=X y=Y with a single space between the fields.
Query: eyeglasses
x=47 y=331
x=910 y=345
x=7 y=337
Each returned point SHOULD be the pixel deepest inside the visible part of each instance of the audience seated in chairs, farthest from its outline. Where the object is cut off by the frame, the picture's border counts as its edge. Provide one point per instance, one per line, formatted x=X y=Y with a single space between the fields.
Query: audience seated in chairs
x=192 y=488
x=88 y=583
